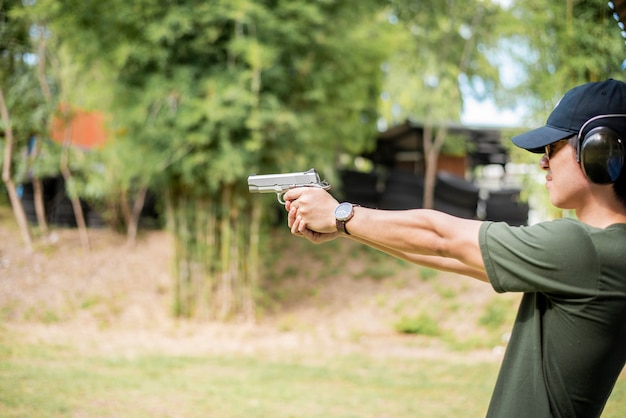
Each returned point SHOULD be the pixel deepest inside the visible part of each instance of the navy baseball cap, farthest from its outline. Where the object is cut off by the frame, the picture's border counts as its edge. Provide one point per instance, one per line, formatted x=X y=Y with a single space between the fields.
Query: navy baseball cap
x=572 y=112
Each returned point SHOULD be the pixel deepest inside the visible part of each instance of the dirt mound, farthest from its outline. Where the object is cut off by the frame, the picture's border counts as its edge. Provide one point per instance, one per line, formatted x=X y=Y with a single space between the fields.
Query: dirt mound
x=60 y=281
x=335 y=297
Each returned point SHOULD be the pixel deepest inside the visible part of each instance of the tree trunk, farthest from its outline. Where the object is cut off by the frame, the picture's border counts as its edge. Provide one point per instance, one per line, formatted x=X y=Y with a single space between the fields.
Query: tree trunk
x=78 y=210
x=38 y=199
x=40 y=208
x=135 y=214
x=432 y=147
x=16 y=203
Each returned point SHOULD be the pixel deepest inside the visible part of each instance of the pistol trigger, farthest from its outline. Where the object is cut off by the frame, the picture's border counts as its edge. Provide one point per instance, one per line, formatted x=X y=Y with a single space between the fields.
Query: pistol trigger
x=279 y=196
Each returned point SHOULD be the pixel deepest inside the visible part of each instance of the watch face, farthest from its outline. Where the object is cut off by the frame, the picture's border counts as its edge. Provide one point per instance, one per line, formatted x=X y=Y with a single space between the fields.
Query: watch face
x=343 y=211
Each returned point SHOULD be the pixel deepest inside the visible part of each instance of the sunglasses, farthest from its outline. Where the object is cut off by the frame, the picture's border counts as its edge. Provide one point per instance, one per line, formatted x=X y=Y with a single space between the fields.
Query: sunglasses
x=553 y=148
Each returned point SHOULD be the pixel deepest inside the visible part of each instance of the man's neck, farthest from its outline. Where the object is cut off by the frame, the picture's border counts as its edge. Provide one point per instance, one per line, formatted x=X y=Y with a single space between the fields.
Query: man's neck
x=601 y=216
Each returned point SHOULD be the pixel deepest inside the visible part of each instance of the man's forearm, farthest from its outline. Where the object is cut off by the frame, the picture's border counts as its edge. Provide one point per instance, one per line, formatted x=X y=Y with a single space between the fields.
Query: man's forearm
x=422 y=236
x=428 y=238
x=431 y=261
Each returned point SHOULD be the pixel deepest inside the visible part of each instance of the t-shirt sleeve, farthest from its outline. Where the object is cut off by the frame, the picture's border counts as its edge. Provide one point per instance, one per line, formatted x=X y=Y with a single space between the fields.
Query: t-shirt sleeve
x=553 y=257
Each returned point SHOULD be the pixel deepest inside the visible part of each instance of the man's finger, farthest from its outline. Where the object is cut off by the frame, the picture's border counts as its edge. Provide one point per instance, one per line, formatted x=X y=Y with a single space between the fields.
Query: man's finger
x=294 y=194
x=302 y=225
x=295 y=226
x=291 y=217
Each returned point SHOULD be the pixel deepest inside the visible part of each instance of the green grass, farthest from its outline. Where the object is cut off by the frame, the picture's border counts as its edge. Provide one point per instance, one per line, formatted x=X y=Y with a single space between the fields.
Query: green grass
x=421 y=324
x=53 y=381
x=56 y=381
x=46 y=380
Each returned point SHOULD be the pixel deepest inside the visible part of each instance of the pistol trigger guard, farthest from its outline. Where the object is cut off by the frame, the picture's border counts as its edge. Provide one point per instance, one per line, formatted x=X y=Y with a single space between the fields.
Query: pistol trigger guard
x=279 y=196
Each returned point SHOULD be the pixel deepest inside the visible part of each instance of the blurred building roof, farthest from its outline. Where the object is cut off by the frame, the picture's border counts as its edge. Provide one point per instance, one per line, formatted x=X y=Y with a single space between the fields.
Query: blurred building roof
x=406 y=141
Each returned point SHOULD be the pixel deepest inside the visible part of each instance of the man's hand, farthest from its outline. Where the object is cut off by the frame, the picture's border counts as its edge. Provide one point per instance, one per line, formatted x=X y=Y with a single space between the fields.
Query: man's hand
x=311 y=214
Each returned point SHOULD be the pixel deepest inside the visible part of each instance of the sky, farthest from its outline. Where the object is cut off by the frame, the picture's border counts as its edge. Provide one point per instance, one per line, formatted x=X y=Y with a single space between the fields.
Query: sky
x=486 y=113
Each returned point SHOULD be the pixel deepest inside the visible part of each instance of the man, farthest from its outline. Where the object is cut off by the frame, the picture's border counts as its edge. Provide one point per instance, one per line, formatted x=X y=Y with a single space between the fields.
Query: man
x=568 y=343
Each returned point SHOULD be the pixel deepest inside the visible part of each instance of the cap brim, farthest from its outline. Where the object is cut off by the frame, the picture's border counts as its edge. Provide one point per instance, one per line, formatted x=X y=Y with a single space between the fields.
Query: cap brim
x=536 y=140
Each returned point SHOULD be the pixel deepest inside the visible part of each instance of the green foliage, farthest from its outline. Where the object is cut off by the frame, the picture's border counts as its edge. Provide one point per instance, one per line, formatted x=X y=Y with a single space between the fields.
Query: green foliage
x=457 y=145
x=579 y=42
x=421 y=324
x=28 y=110
x=439 y=44
x=200 y=95
x=240 y=86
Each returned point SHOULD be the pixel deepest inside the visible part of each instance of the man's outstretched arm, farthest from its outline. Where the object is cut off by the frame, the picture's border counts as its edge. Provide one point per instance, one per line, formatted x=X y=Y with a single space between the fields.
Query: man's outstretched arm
x=425 y=237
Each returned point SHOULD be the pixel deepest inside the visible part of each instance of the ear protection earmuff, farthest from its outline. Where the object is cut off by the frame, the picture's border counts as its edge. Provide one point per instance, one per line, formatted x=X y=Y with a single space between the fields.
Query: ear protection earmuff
x=600 y=151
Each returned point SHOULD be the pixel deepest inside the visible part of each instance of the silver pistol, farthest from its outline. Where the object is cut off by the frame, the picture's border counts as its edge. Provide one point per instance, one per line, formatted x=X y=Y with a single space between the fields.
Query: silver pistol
x=281 y=183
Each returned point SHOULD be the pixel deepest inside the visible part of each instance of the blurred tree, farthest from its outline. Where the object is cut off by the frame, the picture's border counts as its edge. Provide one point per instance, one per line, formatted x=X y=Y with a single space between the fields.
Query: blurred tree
x=578 y=42
x=200 y=94
x=442 y=44
x=7 y=169
x=203 y=93
x=32 y=101
x=18 y=106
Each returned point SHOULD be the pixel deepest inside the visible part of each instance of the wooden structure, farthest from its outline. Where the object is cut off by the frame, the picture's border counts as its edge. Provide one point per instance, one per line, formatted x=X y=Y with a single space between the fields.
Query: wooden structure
x=397 y=182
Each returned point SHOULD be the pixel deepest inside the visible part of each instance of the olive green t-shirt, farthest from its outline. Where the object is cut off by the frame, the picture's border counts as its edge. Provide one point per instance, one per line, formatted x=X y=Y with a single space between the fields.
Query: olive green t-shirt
x=568 y=343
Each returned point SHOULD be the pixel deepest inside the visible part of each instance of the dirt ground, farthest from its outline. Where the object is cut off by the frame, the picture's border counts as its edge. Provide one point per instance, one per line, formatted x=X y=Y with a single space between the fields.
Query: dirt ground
x=116 y=298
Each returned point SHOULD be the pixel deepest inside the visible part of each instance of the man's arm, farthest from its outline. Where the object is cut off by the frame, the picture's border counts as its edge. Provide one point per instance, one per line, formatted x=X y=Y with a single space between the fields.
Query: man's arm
x=424 y=237
x=444 y=250
x=432 y=261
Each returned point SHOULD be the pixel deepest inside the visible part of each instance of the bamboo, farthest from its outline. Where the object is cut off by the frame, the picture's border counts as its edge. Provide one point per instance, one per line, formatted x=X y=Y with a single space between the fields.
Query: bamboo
x=216 y=270
x=212 y=256
x=178 y=256
x=254 y=265
x=240 y=223
x=182 y=303
x=225 y=295
x=203 y=294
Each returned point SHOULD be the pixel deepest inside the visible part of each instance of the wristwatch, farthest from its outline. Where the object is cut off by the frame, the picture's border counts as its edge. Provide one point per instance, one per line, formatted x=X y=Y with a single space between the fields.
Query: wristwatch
x=343 y=213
